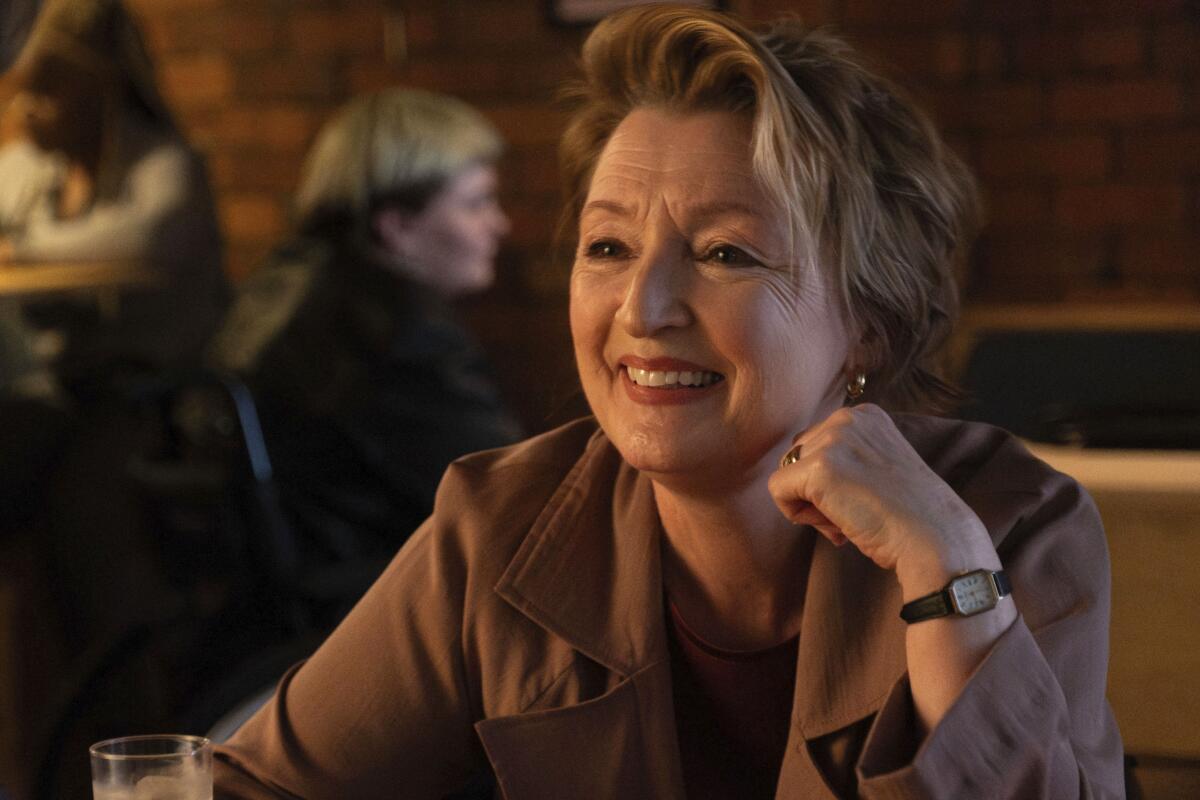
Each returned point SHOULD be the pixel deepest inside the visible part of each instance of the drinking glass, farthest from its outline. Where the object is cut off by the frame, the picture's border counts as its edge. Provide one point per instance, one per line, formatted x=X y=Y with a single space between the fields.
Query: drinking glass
x=152 y=768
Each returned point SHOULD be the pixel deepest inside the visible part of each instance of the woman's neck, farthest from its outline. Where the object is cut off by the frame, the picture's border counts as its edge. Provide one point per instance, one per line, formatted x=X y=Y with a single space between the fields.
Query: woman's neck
x=734 y=566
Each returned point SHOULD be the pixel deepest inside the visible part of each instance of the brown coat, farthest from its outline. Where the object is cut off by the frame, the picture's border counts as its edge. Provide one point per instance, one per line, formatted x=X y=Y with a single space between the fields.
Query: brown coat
x=520 y=634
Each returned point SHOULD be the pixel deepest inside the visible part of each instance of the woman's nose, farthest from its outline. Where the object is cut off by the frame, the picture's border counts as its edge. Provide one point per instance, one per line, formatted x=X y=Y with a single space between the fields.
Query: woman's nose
x=655 y=296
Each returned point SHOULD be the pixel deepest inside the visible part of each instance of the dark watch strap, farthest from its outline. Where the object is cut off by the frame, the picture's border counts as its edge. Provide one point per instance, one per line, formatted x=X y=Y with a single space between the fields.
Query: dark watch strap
x=931 y=606
x=940 y=603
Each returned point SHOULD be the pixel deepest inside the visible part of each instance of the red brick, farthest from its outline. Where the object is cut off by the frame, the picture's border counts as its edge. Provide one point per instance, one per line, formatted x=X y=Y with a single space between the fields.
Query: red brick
x=1176 y=49
x=1123 y=10
x=1116 y=48
x=1116 y=101
x=227 y=30
x=465 y=76
x=158 y=7
x=1011 y=13
x=252 y=217
x=533 y=223
x=1011 y=106
x=199 y=80
x=530 y=172
x=496 y=25
x=941 y=55
x=990 y=57
x=540 y=74
x=1041 y=52
x=1120 y=206
x=279 y=128
x=915 y=13
x=1161 y=257
x=421 y=29
x=813 y=12
x=371 y=75
x=528 y=124
x=1046 y=155
x=159 y=34
x=272 y=79
x=1161 y=153
x=1020 y=207
x=1020 y=266
x=339 y=31
x=255 y=172
x=1001 y=107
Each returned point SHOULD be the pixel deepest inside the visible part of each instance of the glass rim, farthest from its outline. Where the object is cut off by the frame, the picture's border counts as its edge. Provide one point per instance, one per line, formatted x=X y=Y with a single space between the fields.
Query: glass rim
x=198 y=743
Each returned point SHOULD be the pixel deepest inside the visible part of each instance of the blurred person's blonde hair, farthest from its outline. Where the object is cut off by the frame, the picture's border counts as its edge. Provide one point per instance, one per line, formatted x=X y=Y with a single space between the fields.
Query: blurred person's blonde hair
x=871 y=192
x=392 y=148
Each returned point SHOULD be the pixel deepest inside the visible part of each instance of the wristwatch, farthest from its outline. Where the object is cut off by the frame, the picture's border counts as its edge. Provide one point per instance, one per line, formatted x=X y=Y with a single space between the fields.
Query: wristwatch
x=964 y=596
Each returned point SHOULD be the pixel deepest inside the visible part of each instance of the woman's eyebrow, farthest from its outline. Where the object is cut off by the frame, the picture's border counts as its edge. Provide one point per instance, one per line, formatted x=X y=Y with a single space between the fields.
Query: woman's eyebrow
x=700 y=211
x=613 y=206
x=721 y=208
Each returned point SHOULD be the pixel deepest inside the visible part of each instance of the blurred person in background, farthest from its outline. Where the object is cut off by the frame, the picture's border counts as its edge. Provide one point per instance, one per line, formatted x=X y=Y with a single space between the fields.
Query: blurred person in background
x=366 y=384
x=101 y=172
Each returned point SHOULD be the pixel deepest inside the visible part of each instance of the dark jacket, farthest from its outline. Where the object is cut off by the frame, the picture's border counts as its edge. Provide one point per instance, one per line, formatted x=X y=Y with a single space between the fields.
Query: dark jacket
x=367 y=389
x=521 y=635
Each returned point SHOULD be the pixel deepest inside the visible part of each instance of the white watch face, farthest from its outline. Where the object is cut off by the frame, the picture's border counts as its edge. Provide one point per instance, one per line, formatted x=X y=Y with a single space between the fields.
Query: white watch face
x=974 y=593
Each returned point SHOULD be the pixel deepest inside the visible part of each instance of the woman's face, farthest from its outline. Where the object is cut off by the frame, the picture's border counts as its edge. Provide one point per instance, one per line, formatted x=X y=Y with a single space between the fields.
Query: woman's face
x=700 y=348
x=451 y=244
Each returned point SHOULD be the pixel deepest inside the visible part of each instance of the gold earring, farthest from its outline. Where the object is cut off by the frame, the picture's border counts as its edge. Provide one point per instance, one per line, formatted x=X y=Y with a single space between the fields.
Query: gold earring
x=856 y=387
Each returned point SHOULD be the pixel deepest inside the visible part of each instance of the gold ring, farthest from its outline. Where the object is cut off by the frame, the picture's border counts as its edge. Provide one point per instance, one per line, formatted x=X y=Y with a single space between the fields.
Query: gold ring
x=790 y=457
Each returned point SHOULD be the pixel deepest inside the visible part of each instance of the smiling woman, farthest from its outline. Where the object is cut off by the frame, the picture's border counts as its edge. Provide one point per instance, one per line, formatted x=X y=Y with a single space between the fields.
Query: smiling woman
x=752 y=574
x=690 y=271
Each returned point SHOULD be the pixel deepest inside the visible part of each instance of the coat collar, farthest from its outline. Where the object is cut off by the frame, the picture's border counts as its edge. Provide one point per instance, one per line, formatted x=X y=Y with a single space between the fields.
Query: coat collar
x=603 y=594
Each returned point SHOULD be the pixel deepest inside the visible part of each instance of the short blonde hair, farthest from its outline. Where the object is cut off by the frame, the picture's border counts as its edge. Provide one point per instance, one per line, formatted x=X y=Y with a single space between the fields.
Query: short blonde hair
x=869 y=188
x=394 y=147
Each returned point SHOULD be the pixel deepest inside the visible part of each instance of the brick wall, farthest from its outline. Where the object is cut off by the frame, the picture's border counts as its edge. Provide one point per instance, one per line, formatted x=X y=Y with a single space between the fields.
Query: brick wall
x=1080 y=117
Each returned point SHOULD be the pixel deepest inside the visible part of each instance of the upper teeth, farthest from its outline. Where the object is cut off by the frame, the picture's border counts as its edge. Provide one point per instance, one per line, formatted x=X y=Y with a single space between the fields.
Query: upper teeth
x=654 y=377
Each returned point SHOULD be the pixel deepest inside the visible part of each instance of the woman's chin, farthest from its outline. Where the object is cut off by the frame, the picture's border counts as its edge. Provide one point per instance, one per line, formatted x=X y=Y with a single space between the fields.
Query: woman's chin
x=675 y=461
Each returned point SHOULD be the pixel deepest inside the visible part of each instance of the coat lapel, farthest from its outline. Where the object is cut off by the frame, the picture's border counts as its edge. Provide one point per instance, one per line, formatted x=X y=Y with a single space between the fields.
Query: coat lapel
x=589 y=572
x=851 y=655
x=851 y=641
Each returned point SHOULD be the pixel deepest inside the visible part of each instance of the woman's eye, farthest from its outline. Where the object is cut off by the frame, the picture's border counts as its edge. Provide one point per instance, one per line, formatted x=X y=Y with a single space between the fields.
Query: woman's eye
x=604 y=249
x=729 y=255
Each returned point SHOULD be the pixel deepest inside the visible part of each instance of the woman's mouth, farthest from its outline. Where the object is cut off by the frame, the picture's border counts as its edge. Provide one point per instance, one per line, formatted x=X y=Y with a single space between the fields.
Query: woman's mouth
x=667 y=381
x=672 y=379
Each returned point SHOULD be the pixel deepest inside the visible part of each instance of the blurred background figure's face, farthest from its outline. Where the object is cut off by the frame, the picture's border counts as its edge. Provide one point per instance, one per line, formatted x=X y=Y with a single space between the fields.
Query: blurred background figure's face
x=60 y=108
x=451 y=244
x=41 y=117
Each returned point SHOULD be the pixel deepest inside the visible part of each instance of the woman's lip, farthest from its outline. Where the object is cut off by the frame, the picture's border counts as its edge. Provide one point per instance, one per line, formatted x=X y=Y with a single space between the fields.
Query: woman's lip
x=662 y=364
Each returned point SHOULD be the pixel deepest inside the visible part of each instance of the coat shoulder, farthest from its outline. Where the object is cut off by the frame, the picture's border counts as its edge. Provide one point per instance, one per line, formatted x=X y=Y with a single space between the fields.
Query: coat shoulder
x=488 y=501
x=1006 y=485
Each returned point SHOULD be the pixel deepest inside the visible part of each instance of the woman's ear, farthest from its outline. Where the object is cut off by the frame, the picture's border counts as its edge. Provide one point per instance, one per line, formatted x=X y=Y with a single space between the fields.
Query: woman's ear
x=392 y=229
x=866 y=354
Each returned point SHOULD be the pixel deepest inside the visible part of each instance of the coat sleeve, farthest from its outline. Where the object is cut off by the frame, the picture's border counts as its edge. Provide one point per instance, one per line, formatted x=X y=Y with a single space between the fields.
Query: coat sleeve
x=1033 y=721
x=382 y=709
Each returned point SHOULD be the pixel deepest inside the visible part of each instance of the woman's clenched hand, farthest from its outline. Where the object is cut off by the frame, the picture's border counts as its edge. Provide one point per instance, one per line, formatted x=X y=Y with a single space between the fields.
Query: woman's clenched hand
x=858 y=480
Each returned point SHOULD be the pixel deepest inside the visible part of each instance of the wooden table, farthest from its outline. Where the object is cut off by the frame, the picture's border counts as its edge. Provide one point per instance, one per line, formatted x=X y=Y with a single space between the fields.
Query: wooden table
x=102 y=280
x=40 y=278
x=1150 y=503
